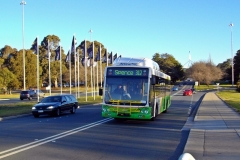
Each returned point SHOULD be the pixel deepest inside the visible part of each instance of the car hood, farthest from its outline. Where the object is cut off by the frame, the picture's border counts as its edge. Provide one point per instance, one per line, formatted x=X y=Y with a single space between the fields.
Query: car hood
x=47 y=104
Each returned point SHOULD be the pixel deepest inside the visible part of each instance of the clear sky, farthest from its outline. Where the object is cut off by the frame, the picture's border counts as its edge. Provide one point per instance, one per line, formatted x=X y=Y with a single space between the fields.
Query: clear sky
x=132 y=28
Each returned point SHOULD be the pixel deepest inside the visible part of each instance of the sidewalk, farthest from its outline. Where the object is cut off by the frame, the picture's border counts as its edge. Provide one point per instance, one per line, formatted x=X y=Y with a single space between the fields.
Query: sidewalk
x=215 y=131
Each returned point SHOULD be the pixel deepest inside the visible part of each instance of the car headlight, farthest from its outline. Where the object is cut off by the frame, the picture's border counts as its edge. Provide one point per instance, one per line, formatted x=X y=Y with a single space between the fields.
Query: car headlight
x=104 y=109
x=33 y=108
x=50 y=107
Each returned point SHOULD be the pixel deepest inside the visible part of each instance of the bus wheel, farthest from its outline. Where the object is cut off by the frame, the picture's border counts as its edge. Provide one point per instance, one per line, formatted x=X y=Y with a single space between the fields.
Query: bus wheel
x=165 y=111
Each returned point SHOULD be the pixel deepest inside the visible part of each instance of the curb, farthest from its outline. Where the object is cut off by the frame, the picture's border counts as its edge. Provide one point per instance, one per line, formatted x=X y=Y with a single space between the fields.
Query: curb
x=17 y=116
x=29 y=114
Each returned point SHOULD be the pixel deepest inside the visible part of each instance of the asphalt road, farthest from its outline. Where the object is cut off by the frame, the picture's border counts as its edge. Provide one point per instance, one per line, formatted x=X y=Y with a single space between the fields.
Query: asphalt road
x=86 y=135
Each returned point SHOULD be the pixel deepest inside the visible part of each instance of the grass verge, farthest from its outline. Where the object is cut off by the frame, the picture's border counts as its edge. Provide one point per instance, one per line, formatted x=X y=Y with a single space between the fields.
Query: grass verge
x=14 y=109
x=210 y=87
x=231 y=97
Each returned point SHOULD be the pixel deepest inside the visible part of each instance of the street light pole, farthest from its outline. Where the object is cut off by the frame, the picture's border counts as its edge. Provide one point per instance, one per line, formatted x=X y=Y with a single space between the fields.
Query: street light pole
x=23 y=3
x=49 y=69
x=231 y=25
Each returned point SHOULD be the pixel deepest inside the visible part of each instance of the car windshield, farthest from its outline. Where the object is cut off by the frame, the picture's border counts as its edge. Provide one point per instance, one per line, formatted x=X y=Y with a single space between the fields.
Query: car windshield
x=51 y=99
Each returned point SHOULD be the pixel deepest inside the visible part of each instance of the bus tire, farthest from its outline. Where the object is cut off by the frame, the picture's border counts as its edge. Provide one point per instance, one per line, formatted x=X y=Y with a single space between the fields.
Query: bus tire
x=165 y=111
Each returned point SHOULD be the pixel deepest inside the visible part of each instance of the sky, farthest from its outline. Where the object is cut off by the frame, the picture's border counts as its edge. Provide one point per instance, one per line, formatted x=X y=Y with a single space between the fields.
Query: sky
x=189 y=30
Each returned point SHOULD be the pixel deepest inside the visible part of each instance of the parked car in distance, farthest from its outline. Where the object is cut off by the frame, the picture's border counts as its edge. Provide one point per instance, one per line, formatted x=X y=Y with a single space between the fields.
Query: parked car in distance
x=175 y=88
x=25 y=95
x=37 y=93
x=54 y=105
x=30 y=94
x=187 y=92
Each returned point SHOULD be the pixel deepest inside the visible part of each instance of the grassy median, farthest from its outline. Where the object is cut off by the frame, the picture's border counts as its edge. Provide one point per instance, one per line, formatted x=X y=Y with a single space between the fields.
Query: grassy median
x=24 y=107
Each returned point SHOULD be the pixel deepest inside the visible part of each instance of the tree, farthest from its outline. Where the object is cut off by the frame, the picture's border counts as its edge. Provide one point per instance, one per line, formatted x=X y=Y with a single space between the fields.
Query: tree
x=169 y=65
x=53 y=41
x=236 y=62
x=8 y=80
x=204 y=72
x=15 y=65
x=226 y=68
x=6 y=54
x=6 y=51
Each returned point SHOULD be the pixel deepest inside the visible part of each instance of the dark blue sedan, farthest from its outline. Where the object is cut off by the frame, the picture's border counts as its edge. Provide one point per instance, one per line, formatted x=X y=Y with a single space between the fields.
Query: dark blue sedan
x=54 y=105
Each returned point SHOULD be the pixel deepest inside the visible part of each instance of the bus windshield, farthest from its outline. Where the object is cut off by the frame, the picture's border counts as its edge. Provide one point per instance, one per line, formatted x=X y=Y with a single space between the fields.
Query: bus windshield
x=126 y=90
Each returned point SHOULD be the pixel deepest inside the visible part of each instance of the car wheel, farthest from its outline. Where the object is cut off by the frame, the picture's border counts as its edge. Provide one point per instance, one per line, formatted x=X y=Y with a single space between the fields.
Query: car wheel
x=21 y=99
x=73 y=110
x=36 y=115
x=58 y=112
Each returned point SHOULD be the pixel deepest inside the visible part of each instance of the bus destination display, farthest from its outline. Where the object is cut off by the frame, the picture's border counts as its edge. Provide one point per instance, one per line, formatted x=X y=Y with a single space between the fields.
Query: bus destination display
x=127 y=72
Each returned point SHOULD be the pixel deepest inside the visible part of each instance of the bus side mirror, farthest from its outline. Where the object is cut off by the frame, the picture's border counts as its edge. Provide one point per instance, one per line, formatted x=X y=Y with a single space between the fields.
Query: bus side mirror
x=100 y=92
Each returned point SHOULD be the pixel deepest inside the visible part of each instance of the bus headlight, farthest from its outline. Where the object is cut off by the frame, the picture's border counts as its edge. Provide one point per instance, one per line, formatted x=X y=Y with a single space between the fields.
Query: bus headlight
x=144 y=111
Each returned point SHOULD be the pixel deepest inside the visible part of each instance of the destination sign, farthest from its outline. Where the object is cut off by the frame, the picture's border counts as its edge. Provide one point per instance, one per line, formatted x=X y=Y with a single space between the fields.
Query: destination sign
x=118 y=71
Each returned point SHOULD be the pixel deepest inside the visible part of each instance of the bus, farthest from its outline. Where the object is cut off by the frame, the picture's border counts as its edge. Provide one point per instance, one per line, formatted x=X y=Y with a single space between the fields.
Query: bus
x=135 y=88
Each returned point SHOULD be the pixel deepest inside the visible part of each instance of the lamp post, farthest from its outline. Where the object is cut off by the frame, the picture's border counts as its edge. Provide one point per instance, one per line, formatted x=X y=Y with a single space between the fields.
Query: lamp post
x=23 y=3
x=231 y=25
x=49 y=68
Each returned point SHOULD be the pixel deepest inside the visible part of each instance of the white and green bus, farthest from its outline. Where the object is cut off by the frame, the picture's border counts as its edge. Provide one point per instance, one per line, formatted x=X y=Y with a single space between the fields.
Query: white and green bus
x=135 y=88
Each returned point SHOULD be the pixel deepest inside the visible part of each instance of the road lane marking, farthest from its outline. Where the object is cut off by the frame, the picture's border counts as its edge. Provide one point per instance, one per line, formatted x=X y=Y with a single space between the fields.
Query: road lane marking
x=27 y=146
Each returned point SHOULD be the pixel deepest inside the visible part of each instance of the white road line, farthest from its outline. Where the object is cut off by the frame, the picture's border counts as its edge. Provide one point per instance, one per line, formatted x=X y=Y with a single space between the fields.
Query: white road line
x=50 y=139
